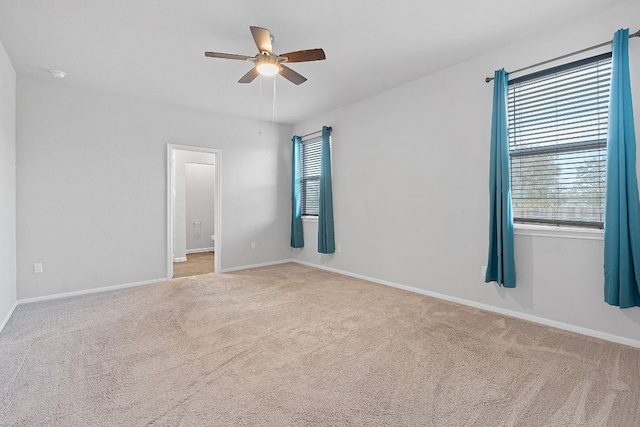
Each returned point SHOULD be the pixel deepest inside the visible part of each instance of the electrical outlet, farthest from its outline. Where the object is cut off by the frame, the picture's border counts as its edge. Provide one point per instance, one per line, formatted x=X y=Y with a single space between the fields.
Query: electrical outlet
x=253 y=245
x=339 y=248
x=37 y=267
x=484 y=271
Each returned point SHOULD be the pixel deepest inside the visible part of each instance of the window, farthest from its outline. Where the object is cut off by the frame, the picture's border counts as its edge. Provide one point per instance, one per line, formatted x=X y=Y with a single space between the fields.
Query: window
x=310 y=185
x=557 y=143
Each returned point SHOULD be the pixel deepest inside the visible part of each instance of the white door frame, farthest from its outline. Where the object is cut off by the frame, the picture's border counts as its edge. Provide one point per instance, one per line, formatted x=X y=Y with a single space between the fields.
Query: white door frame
x=171 y=208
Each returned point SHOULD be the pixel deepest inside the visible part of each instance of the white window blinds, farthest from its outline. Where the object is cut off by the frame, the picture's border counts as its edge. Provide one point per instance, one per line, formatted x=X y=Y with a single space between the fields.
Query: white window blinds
x=557 y=143
x=310 y=185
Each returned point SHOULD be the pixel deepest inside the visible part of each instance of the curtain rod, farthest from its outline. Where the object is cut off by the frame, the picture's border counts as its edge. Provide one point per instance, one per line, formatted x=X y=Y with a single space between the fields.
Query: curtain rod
x=636 y=34
x=313 y=133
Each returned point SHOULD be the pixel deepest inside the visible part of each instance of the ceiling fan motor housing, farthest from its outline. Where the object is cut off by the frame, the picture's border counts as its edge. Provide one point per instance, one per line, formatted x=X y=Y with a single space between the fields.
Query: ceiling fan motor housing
x=267 y=64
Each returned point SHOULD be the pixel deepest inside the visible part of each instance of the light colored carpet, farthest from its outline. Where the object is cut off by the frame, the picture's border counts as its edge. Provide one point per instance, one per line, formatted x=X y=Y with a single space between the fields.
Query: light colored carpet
x=290 y=345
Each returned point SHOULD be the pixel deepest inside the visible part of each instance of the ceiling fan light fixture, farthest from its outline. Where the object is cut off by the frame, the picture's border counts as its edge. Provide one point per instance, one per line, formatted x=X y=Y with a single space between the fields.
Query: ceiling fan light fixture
x=268 y=68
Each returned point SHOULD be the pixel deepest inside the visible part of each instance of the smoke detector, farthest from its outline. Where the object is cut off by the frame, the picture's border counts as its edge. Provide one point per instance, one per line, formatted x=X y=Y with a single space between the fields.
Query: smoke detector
x=58 y=74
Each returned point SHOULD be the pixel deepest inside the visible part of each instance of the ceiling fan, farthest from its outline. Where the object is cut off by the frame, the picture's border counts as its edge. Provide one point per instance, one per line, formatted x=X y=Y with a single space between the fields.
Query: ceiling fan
x=268 y=63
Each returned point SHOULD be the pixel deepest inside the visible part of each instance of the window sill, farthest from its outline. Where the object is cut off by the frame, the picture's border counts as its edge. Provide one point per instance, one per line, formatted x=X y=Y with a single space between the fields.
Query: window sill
x=558 y=232
x=309 y=218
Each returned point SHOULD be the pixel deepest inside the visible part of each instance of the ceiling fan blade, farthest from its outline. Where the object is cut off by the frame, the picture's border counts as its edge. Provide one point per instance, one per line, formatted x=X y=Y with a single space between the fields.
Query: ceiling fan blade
x=262 y=37
x=305 y=55
x=291 y=75
x=227 y=56
x=250 y=76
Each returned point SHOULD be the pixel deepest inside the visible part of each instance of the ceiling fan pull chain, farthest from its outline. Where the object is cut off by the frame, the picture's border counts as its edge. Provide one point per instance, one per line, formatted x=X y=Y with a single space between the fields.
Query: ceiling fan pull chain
x=273 y=112
x=260 y=107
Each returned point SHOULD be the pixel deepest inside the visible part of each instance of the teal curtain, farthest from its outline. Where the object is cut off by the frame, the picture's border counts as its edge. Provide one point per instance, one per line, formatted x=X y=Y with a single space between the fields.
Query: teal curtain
x=501 y=262
x=622 y=208
x=297 y=238
x=326 y=237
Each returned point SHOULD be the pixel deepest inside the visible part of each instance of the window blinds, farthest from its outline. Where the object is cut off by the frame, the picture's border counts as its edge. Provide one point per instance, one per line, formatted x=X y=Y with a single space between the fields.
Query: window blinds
x=310 y=186
x=557 y=143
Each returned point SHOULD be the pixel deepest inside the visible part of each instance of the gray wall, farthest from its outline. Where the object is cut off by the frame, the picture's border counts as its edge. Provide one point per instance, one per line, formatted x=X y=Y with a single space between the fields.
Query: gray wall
x=7 y=186
x=92 y=197
x=410 y=176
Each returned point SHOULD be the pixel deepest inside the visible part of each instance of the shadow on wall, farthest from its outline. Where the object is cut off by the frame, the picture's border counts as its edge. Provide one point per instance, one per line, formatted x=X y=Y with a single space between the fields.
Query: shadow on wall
x=525 y=275
x=632 y=314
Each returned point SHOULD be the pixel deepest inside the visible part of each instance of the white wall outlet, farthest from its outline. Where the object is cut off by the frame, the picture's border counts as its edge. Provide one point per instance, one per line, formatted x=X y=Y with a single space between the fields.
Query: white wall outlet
x=37 y=267
x=253 y=245
x=339 y=248
x=484 y=271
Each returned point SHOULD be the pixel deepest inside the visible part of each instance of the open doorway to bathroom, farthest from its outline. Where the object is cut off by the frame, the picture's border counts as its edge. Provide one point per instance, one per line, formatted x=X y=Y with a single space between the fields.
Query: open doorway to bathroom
x=194 y=244
x=194 y=238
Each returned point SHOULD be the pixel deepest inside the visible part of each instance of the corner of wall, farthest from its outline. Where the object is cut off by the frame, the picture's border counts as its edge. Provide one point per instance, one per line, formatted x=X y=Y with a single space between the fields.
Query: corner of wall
x=7 y=187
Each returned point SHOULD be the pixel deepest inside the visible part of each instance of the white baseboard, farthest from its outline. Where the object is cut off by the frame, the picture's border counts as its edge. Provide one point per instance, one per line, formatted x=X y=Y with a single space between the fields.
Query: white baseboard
x=535 y=319
x=180 y=259
x=199 y=250
x=6 y=319
x=246 y=267
x=91 y=291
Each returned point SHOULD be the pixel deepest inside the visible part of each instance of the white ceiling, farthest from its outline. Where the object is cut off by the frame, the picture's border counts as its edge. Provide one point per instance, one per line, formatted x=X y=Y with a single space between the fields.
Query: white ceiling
x=155 y=48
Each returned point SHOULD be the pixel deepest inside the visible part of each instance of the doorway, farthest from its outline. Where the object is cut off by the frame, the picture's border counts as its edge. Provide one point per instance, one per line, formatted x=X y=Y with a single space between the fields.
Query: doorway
x=194 y=241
